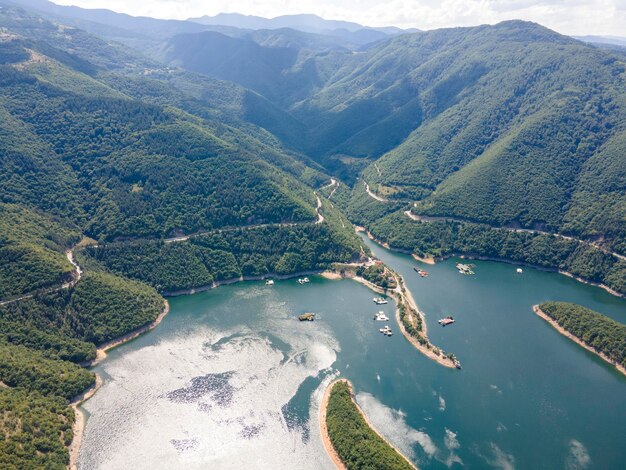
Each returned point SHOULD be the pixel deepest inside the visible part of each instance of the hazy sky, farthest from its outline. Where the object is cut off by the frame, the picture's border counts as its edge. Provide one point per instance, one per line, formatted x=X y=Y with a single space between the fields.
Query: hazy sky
x=575 y=17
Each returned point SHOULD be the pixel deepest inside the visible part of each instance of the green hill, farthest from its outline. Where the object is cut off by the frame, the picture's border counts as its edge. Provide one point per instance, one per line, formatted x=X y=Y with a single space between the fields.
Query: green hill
x=519 y=124
x=489 y=128
x=511 y=124
x=98 y=141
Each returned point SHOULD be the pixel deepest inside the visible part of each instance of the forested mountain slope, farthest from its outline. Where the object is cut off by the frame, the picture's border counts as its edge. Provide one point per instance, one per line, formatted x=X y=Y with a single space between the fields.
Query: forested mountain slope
x=525 y=141
x=103 y=146
x=285 y=66
x=510 y=124
x=120 y=166
x=116 y=155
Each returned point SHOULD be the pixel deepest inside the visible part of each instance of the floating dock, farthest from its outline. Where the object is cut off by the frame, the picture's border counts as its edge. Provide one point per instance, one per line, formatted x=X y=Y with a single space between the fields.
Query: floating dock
x=421 y=272
x=465 y=268
x=446 y=321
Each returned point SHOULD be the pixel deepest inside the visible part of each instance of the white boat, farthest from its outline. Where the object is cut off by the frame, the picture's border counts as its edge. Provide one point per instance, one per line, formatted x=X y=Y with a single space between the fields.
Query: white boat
x=520 y=270
x=380 y=316
x=380 y=301
x=269 y=282
x=465 y=268
x=386 y=331
x=446 y=321
x=303 y=280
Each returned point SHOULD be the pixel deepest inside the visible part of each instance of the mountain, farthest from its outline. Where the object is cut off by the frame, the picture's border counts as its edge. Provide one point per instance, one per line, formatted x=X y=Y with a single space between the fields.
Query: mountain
x=143 y=33
x=510 y=130
x=304 y=22
x=104 y=155
x=610 y=40
x=281 y=65
x=308 y=23
x=136 y=31
x=508 y=124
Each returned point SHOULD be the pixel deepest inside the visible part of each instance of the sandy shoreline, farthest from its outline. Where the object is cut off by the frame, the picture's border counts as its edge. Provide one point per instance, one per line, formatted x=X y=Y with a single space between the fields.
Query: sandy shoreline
x=430 y=260
x=575 y=339
x=281 y=277
x=78 y=428
x=101 y=352
x=330 y=450
x=79 y=418
x=428 y=352
x=332 y=453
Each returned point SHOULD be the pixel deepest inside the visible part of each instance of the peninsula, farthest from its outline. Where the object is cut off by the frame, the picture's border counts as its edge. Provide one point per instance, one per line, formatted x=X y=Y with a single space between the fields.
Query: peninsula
x=591 y=330
x=349 y=438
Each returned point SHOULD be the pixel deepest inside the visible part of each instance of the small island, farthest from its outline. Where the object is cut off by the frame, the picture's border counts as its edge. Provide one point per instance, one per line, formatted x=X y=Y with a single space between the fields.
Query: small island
x=349 y=439
x=593 y=331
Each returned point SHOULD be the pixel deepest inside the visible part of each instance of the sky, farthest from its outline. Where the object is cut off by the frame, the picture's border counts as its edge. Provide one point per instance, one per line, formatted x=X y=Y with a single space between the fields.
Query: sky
x=572 y=17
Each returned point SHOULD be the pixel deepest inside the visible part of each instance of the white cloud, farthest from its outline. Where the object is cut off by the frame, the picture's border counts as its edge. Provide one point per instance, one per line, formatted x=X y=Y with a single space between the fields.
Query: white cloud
x=452 y=443
x=500 y=459
x=393 y=425
x=576 y=17
x=442 y=404
x=578 y=456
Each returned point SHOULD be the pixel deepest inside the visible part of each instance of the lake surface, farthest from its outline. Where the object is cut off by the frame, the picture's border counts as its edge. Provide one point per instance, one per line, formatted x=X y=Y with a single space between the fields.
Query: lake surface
x=231 y=379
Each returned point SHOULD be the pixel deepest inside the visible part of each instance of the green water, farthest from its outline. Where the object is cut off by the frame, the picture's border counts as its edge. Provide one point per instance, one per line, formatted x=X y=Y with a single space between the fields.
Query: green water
x=231 y=379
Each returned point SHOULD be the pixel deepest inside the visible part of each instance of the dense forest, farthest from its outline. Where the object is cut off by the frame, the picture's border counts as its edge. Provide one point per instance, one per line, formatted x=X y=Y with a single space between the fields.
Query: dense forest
x=119 y=153
x=32 y=251
x=357 y=445
x=43 y=342
x=31 y=414
x=228 y=254
x=379 y=275
x=108 y=153
x=446 y=238
x=603 y=334
x=505 y=124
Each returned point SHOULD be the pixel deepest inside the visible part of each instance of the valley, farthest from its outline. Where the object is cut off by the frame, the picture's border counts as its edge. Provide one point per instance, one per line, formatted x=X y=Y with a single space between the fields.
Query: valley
x=143 y=158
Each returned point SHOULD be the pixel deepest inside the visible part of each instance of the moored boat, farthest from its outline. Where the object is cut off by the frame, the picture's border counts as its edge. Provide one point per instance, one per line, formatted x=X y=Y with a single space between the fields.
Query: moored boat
x=386 y=331
x=421 y=272
x=446 y=321
x=380 y=301
x=380 y=316
x=465 y=268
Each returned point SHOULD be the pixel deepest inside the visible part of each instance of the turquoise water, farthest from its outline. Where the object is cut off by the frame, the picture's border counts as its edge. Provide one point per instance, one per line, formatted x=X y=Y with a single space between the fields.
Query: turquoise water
x=232 y=379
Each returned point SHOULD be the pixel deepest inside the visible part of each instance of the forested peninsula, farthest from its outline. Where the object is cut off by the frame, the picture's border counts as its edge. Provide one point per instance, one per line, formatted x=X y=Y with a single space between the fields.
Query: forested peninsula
x=592 y=330
x=356 y=443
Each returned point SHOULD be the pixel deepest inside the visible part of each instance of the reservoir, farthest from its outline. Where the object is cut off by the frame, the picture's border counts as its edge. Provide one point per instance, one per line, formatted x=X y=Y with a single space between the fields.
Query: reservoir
x=232 y=379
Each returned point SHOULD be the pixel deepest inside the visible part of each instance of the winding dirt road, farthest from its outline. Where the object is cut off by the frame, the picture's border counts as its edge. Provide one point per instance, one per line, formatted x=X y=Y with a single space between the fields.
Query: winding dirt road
x=422 y=218
x=76 y=276
x=373 y=195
